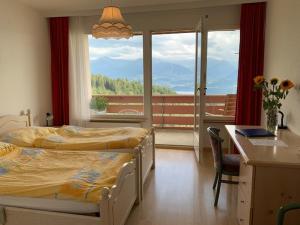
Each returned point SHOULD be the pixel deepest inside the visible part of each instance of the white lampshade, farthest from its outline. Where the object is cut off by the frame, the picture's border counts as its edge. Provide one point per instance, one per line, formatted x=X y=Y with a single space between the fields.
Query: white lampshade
x=112 y=25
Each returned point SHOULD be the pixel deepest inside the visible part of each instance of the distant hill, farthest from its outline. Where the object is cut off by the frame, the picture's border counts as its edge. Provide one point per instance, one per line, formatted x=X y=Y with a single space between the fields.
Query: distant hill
x=127 y=68
x=221 y=75
x=109 y=86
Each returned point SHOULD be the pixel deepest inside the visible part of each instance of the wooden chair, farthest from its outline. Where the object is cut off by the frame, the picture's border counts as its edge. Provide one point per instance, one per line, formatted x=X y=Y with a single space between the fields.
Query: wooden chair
x=284 y=209
x=225 y=164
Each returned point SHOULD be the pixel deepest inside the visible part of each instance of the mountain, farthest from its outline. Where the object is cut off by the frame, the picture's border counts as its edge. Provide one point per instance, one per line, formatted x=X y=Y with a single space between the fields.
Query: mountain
x=221 y=75
x=117 y=68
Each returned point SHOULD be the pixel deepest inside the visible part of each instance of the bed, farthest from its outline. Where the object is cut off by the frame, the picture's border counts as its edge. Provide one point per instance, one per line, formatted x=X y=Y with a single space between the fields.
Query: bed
x=58 y=187
x=144 y=148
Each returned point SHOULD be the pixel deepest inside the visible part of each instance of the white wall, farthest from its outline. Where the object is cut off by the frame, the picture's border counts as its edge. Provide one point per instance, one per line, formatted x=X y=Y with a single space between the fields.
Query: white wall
x=24 y=61
x=282 y=52
x=222 y=17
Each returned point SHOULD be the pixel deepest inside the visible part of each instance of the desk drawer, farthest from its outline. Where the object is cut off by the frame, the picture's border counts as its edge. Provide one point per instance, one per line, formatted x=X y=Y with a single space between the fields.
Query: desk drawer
x=243 y=209
x=246 y=178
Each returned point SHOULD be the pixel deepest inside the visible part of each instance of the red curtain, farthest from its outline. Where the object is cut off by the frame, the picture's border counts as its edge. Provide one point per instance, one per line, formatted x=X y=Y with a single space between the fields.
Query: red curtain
x=251 y=63
x=59 y=39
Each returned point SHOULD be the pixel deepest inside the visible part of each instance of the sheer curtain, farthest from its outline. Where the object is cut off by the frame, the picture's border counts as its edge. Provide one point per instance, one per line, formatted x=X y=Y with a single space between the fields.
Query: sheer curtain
x=80 y=76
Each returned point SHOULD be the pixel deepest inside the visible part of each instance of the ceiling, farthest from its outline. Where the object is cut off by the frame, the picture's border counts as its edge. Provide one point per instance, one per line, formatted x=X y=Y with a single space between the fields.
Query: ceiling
x=81 y=7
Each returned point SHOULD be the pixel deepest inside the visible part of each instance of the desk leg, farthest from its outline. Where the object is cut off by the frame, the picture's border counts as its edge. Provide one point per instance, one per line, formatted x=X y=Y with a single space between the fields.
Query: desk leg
x=230 y=146
x=230 y=151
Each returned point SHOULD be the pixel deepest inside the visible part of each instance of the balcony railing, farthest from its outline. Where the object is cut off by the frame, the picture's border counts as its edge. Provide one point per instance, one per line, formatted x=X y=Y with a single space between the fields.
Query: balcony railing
x=171 y=110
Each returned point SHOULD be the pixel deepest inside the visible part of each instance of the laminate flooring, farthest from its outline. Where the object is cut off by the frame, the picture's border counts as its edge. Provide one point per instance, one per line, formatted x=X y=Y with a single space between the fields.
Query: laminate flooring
x=179 y=192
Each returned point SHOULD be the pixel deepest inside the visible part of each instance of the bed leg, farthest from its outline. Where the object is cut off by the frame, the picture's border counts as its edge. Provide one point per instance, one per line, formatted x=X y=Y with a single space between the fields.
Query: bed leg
x=105 y=208
x=141 y=182
x=2 y=216
x=138 y=169
x=153 y=149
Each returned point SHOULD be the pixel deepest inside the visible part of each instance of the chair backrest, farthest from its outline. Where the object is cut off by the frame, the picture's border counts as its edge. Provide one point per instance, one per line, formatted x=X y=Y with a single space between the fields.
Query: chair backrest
x=216 y=145
x=284 y=209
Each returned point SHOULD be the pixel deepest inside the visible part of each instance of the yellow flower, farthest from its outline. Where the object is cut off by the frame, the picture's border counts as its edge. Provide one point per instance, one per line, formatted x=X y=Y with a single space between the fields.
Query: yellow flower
x=274 y=81
x=286 y=85
x=258 y=80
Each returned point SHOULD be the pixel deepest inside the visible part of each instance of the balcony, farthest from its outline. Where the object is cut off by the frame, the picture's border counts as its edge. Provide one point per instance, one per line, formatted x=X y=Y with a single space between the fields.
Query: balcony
x=170 y=111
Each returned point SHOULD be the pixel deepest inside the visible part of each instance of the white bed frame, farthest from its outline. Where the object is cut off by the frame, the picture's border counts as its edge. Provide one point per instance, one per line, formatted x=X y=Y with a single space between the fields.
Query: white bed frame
x=115 y=206
x=147 y=157
x=9 y=122
x=145 y=150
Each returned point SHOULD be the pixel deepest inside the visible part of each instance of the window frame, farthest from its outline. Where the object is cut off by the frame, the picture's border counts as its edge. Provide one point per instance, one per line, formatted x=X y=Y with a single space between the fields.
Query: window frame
x=143 y=118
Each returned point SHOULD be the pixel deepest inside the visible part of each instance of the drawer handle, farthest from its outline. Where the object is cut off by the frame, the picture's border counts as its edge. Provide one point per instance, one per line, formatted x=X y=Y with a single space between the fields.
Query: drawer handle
x=244 y=182
x=241 y=220
x=242 y=201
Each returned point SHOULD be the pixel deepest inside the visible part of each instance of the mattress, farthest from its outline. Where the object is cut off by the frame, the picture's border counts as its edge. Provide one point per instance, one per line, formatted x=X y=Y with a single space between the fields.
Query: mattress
x=53 y=205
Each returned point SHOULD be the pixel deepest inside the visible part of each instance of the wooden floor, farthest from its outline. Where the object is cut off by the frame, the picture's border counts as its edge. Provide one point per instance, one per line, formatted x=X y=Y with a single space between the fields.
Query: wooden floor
x=179 y=192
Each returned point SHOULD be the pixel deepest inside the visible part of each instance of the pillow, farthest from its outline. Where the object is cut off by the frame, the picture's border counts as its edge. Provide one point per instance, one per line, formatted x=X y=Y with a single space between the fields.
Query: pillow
x=25 y=137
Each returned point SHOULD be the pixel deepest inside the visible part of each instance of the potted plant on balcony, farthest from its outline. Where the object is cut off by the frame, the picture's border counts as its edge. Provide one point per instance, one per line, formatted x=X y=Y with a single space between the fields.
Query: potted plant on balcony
x=273 y=93
x=99 y=104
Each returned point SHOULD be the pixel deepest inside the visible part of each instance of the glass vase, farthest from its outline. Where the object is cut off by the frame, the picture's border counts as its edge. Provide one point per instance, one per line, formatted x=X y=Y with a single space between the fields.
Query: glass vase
x=272 y=120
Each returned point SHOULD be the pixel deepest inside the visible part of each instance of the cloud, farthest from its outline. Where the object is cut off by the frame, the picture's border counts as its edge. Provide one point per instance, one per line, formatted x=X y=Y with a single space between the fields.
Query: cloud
x=224 y=46
x=119 y=52
x=176 y=48
x=131 y=49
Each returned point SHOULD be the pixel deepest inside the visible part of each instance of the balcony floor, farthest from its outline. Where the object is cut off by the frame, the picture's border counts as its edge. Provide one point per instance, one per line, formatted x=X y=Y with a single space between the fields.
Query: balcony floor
x=174 y=137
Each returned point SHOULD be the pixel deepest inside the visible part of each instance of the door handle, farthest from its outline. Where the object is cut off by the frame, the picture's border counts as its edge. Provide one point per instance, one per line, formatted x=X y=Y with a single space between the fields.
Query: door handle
x=204 y=90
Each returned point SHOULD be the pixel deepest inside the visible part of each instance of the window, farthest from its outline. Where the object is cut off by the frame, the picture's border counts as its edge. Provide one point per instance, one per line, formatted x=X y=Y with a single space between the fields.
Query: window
x=117 y=76
x=222 y=72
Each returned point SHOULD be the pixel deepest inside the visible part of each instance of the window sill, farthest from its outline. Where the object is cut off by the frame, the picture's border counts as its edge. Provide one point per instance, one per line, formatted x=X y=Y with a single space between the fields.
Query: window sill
x=118 y=119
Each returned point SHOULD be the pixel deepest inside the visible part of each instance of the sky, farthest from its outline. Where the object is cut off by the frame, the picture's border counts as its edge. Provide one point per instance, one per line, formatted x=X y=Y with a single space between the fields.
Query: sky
x=175 y=48
x=179 y=49
x=123 y=49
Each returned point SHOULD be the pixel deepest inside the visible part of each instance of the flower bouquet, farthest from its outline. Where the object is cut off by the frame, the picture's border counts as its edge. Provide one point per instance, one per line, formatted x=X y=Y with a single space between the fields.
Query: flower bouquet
x=273 y=92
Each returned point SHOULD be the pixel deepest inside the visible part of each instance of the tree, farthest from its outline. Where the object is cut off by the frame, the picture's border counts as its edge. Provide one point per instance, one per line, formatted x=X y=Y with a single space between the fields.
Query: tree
x=104 y=85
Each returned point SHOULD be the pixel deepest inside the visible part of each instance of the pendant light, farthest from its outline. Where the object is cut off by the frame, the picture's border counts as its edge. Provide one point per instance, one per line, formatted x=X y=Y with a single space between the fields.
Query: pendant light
x=112 y=25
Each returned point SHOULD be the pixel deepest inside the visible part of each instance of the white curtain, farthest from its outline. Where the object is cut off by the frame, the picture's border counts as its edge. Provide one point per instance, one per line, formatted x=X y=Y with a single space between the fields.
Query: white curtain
x=80 y=76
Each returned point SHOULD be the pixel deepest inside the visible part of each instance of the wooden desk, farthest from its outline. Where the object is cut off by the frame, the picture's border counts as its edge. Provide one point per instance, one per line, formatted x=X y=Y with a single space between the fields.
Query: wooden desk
x=269 y=178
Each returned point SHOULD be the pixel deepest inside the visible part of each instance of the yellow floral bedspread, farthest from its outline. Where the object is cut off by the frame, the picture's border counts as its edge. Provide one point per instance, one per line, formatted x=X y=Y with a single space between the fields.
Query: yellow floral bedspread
x=76 y=138
x=68 y=175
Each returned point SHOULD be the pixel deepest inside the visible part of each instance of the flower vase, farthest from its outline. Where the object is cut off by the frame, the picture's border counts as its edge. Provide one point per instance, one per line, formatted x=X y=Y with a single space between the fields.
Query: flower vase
x=272 y=120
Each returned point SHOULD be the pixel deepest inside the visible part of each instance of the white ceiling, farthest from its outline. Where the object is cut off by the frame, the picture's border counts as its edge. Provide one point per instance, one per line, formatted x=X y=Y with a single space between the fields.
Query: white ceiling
x=93 y=4
x=77 y=7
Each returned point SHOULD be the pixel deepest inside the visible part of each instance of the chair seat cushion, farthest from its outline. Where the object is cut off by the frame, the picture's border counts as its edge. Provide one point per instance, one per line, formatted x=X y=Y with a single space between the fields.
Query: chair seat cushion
x=231 y=164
